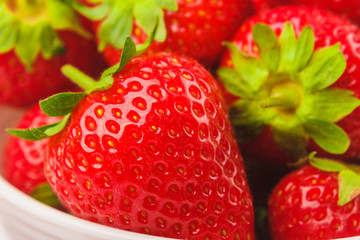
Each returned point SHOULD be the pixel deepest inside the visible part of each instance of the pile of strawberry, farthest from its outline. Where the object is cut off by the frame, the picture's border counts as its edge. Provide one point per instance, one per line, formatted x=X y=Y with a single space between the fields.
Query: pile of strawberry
x=155 y=145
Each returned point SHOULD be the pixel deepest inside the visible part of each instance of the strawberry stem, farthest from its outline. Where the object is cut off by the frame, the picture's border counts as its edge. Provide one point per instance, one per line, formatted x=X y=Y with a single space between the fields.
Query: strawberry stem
x=78 y=77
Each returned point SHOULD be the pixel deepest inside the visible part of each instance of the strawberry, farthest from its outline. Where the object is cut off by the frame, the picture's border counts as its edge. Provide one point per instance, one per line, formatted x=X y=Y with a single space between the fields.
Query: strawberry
x=190 y=28
x=316 y=202
x=23 y=162
x=37 y=38
x=149 y=148
x=290 y=96
x=347 y=8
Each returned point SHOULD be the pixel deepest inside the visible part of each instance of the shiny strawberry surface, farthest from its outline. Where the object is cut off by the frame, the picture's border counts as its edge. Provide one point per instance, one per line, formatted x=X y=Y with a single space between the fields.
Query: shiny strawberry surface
x=154 y=154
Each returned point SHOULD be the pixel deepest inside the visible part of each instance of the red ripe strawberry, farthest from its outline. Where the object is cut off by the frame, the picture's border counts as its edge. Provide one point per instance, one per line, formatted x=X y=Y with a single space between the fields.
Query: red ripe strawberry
x=37 y=38
x=347 y=8
x=191 y=28
x=301 y=93
x=149 y=148
x=23 y=163
x=310 y=203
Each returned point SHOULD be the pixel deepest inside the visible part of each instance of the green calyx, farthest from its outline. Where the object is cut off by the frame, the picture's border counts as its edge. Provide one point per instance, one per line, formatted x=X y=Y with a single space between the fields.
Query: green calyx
x=29 y=28
x=117 y=18
x=289 y=89
x=348 y=176
x=46 y=195
x=62 y=104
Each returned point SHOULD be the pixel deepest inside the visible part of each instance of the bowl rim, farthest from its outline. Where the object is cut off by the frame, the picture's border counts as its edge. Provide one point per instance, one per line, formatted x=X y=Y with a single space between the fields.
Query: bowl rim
x=16 y=199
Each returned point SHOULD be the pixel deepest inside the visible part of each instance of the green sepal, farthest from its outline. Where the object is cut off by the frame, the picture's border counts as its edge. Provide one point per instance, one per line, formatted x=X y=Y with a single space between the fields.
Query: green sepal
x=324 y=68
x=9 y=30
x=251 y=70
x=233 y=82
x=30 y=38
x=326 y=165
x=349 y=186
x=29 y=35
x=115 y=28
x=267 y=42
x=46 y=195
x=95 y=13
x=288 y=47
x=51 y=43
x=348 y=177
x=118 y=17
x=130 y=50
x=35 y=134
x=329 y=105
x=327 y=135
x=304 y=49
x=63 y=17
x=291 y=82
x=61 y=104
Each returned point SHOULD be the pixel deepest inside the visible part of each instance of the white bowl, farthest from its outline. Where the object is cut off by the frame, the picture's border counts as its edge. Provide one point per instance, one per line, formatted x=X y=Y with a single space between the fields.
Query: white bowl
x=27 y=219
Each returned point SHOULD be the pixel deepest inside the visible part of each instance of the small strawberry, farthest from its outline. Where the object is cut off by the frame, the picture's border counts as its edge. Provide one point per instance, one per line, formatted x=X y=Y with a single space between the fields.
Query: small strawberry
x=149 y=149
x=296 y=84
x=347 y=8
x=37 y=38
x=316 y=202
x=190 y=28
x=23 y=162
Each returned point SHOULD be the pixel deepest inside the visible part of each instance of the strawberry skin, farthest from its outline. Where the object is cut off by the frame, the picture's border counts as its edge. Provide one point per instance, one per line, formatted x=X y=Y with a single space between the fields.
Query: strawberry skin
x=23 y=163
x=196 y=30
x=304 y=206
x=347 y=8
x=328 y=29
x=155 y=154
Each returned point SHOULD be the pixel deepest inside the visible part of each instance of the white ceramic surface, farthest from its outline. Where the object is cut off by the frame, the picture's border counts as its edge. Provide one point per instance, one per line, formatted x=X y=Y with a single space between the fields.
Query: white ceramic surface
x=22 y=218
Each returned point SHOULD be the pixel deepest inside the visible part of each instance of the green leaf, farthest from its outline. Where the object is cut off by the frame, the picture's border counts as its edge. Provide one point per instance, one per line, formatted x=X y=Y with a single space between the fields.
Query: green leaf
x=52 y=130
x=233 y=82
x=268 y=44
x=116 y=26
x=288 y=46
x=292 y=140
x=63 y=17
x=129 y=51
x=304 y=49
x=45 y=194
x=327 y=135
x=35 y=134
x=349 y=186
x=326 y=66
x=50 y=42
x=326 y=165
x=251 y=70
x=61 y=104
x=329 y=105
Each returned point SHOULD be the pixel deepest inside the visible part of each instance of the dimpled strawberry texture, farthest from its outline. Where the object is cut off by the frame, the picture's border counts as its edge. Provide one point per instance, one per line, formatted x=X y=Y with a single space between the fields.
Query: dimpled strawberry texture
x=304 y=206
x=196 y=30
x=154 y=154
x=23 y=163
x=21 y=88
x=346 y=8
x=329 y=29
